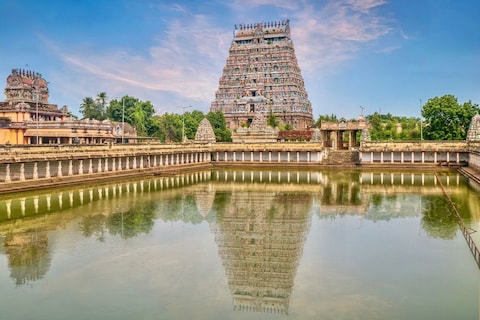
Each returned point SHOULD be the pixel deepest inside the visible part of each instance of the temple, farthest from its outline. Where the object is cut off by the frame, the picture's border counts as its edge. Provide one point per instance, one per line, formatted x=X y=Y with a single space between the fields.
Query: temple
x=26 y=117
x=262 y=76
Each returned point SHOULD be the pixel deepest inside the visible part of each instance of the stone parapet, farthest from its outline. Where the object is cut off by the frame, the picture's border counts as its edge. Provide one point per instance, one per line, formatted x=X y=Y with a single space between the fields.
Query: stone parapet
x=458 y=146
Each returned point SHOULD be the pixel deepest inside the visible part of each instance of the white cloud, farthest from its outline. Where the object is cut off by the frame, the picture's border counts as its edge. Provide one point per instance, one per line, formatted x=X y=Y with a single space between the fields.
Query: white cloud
x=336 y=32
x=286 y=4
x=185 y=63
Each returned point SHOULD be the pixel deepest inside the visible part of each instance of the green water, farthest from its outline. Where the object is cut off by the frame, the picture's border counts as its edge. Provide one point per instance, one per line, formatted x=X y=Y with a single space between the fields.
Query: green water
x=242 y=245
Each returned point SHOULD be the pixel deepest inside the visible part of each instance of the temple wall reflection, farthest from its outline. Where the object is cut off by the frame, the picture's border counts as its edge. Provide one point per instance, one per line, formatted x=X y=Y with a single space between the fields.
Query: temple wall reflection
x=260 y=239
x=250 y=212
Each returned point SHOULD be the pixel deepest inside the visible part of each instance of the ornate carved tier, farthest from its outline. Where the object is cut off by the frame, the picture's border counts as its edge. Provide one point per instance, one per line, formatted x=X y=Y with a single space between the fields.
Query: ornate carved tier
x=262 y=75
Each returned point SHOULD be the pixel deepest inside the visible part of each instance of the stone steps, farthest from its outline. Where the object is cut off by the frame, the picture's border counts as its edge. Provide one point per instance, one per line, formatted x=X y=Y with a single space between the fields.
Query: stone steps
x=342 y=157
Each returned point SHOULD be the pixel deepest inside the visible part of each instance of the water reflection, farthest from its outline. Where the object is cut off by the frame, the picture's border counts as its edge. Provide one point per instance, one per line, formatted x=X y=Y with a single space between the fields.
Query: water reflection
x=260 y=219
x=28 y=255
x=260 y=238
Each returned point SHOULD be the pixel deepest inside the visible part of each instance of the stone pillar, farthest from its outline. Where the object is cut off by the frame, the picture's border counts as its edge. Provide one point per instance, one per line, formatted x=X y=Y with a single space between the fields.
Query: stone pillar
x=166 y=159
x=243 y=156
x=99 y=165
x=288 y=156
x=90 y=165
x=279 y=155
x=59 y=169
x=22 y=171
x=80 y=167
x=70 y=167
x=371 y=157
x=423 y=156
x=435 y=154
x=127 y=164
x=154 y=160
x=448 y=157
x=251 y=156
x=114 y=167
x=141 y=162
x=309 y=160
x=106 y=164
x=119 y=168
x=234 y=156
x=178 y=159
x=134 y=164
x=35 y=170
x=225 y=156
x=458 y=157
x=161 y=160
x=260 y=154
x=401 y=158
x=47 y=170
x=381 y=156
x=391 y=157
x=413 y=157
x=298 y=156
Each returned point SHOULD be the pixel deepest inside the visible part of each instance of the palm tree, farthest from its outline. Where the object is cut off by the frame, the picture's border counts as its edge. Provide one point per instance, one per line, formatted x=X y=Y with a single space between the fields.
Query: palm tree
x=88 y=108
x=102 y=99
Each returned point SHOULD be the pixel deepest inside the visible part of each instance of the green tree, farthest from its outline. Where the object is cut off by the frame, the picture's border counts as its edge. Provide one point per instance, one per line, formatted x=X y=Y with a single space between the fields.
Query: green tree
x=192 y=121
x=272 y=120
x=326 y=118
x=91 y=110
x=169 y=127
x=102 y=101
x=219 y=125
x=135 y=112
x=389 y=127
x=446 y=119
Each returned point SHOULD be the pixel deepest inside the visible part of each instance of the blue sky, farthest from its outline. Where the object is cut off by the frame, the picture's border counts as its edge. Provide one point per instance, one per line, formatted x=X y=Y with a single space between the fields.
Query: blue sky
x=382 y=55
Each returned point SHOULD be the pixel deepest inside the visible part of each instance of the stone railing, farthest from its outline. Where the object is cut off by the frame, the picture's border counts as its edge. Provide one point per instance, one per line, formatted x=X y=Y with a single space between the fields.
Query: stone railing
x=458 y=146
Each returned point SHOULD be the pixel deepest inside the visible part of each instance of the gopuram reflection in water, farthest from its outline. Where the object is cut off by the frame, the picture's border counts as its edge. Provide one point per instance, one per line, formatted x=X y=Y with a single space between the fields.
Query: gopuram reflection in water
x=259 y=221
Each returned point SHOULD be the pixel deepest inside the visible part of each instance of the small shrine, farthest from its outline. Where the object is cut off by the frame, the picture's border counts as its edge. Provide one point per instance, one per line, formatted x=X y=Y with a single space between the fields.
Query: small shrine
x=205 y=133
x=473 y=133
x=257 y=132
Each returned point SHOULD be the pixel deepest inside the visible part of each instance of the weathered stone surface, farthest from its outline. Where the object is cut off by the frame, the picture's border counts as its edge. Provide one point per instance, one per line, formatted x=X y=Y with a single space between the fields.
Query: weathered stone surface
x=205 y=133
x=474 y=129
x=261 y=75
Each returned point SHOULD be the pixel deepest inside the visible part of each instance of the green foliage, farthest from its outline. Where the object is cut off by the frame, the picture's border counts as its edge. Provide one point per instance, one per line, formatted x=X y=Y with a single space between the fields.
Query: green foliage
x=102 y=101
x=129 y=224
x=284 y=126
x=446 y=119
x=219 y=125
x=91 y=109
x=436 y=221
x=135 y=112
x=169 y=127
x=272 y=120
x=327 y=118
x=192 y=121
x=389 y=127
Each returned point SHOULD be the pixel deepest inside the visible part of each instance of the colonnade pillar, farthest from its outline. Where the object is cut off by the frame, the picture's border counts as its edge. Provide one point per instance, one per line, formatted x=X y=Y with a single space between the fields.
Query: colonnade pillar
x=22 y=171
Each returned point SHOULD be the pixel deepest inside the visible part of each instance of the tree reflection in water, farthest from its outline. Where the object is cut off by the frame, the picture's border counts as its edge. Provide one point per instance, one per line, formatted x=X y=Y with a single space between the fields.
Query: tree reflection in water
x=240 y=206
x=28 y=255
x=128 y=224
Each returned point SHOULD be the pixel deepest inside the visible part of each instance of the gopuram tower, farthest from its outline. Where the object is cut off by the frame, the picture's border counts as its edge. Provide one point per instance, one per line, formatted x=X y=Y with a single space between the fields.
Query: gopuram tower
x=262 y=75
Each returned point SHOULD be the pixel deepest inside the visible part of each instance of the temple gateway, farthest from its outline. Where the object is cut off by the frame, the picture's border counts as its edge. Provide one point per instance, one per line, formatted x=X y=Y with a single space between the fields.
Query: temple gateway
x=261 y=76
x=26 y=117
